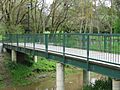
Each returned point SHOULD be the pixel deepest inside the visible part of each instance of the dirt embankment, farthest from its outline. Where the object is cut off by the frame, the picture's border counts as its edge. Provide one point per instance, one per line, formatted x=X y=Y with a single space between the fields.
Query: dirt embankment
x=4 y=73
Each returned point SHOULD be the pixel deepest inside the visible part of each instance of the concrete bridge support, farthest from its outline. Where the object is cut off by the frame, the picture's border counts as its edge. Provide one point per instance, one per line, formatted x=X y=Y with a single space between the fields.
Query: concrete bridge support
x=115 y=84
x=35 y=59
x=14 y=56
x=59 y=76
x=4 y=50
x=86 y=77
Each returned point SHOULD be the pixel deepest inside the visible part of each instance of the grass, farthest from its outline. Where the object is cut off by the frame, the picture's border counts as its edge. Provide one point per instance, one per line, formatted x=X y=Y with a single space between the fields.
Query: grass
x=2 y=85
x=0 y=37
x=1 y=77
x=44 y=65
x=71 y=70
x=19 y=73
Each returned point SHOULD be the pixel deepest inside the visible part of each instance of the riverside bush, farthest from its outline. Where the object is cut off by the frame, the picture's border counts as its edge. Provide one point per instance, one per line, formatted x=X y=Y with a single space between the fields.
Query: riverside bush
x=20 y=73
x=102 y=84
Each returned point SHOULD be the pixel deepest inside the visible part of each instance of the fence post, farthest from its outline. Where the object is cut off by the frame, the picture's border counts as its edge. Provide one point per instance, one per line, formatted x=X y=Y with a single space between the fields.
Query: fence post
x=24 y=36
x=88 y=49
x=17 y=39
x=64 y=47
x=34 y=39
x=11 y=39
x=46 y=45
x=2 y=39
x=7 y=38
x=83 y=41
x=105 y=42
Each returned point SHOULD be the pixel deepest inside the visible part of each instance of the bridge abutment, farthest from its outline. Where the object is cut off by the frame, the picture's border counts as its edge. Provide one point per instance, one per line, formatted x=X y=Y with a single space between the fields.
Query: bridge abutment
x=14 y=56
x=86 y=77
x=115 y=84
x=60 y=76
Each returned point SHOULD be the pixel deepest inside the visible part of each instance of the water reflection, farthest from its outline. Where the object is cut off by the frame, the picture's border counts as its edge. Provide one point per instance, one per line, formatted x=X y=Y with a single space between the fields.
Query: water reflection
x=72 y=82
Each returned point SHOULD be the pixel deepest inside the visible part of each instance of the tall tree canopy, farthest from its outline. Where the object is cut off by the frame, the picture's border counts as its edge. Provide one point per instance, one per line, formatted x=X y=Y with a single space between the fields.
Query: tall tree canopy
x=37 y=16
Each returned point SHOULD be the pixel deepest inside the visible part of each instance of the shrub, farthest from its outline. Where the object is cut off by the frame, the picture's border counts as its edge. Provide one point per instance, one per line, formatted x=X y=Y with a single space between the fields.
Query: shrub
x=102 y=84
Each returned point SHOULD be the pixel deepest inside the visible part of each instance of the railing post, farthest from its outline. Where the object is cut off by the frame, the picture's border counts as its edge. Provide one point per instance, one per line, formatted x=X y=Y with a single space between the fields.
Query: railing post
x=34 y=38
x=46 y=45
x=64 y=47
x=24 y=36
x=17 y=39
x=105 y=42
x=2 y=39
x=6 y=39
x=83 y=41
x=11 y=39
x=88 y=48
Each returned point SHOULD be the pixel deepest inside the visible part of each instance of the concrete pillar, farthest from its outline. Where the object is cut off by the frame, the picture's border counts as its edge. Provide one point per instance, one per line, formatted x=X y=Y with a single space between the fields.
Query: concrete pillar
x=35 y=59
x=59 y=76
x=86 y=77
x=115 y=84
x=1 y=48
x=4 y=50
x=14 y=56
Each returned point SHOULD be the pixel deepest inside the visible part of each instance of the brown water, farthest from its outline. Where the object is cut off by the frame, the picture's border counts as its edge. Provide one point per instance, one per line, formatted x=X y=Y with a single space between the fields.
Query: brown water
x=72 y=82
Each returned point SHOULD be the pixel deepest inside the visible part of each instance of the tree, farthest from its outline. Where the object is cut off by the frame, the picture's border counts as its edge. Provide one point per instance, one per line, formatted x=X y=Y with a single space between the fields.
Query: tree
x=83 y=16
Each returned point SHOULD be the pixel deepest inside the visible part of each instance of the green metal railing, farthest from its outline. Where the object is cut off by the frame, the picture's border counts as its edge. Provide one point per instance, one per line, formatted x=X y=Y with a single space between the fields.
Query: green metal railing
x=97 y=47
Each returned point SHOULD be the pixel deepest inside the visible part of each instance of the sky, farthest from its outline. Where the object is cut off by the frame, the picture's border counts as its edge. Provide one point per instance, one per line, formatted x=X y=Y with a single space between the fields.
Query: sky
x=48 y=2
x=107 y=2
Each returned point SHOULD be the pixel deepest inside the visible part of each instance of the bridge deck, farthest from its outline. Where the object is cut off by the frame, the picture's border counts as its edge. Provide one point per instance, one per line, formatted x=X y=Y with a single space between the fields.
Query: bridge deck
x=94 y=56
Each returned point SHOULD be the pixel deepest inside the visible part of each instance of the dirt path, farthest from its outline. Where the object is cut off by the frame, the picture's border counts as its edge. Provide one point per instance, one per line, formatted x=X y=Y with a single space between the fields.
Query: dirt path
x=4 y=73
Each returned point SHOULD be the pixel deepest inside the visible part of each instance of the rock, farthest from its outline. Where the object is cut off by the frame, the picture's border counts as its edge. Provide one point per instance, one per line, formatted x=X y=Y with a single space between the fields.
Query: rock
x=42 y=76
x=70 y=82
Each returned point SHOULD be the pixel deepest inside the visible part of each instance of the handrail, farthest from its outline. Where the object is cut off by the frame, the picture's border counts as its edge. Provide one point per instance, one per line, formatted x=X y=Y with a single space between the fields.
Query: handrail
x=96 y=46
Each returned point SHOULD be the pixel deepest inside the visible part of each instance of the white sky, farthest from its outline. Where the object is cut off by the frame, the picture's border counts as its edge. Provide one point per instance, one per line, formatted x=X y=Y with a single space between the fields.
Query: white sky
x=107 y=2
x=48 y=2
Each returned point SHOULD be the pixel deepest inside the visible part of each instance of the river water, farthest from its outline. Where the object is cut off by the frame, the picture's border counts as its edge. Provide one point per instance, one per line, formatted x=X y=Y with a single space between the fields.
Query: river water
x=72 y=82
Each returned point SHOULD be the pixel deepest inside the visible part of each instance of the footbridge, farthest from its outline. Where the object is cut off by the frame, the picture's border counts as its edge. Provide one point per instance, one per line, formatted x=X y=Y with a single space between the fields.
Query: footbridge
x=98 y=53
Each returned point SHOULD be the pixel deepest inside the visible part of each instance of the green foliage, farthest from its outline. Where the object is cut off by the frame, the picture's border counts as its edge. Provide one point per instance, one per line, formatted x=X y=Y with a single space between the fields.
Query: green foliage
x=22 y=72
x=116 y=26
x=71 y=70
x=1 y=77
x=0 y=37
x=3 y=28
x=19 y=29
x=99 y=85
x=16 y=29
x=2 y=85
x=28 y=61
x=44 y=65
x=19 y=73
